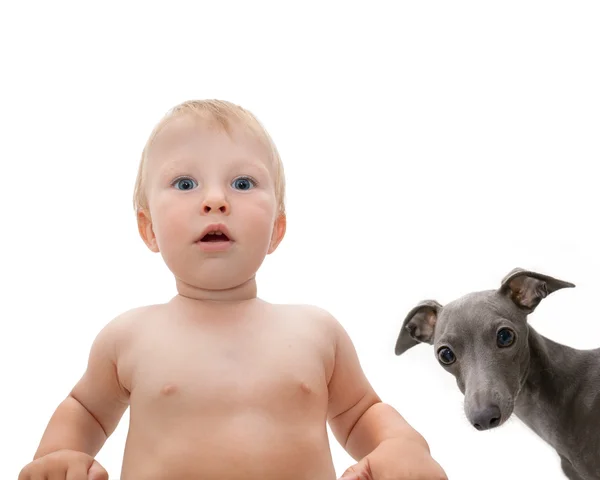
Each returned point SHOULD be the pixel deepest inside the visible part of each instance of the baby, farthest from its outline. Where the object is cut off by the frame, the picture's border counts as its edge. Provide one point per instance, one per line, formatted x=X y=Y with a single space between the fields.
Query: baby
x=223 y=385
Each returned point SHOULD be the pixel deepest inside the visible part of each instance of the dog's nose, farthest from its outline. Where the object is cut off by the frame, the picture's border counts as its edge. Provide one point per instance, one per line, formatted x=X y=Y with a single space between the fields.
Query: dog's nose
x=487 y=418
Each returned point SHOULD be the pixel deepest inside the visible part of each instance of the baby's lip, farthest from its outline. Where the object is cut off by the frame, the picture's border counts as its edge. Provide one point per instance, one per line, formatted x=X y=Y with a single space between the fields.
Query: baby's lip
x=219 y=230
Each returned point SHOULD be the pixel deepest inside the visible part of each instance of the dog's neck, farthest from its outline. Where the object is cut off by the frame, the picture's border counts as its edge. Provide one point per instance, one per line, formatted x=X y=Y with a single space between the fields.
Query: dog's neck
x=550 y=387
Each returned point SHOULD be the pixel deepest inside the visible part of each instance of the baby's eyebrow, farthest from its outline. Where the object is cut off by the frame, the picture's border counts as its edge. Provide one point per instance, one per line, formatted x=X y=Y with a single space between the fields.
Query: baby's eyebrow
x=181 y=166
x=250 y=163
x=178 y=163
x=170 y=168
x=247 y=161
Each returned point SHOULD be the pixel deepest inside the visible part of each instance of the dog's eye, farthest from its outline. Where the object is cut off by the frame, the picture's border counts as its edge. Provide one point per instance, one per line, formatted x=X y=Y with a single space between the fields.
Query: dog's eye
x=446 y=356
x=505 y=337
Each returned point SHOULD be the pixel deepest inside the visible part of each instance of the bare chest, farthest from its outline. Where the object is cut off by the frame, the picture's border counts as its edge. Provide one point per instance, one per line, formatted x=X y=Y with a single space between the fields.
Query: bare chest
x=225 y=370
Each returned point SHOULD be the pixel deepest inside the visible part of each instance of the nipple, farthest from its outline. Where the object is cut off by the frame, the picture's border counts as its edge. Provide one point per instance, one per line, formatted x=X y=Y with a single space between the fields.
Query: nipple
x=305 y=387
x=168 y=389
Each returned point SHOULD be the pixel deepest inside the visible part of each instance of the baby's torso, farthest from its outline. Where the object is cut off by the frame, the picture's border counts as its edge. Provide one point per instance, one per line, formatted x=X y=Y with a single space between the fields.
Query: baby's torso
x=237 y=395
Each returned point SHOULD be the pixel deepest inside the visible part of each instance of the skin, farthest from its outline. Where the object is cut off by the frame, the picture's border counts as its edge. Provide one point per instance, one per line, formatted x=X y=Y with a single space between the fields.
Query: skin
x=222 y=384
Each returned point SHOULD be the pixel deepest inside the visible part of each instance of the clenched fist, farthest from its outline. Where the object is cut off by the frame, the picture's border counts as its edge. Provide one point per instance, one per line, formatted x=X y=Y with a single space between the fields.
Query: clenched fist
x=64 y=465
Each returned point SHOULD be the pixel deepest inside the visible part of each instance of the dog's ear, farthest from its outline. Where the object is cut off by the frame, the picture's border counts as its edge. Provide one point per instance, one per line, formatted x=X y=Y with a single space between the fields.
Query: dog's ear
x=418 y=326
x=527 y=289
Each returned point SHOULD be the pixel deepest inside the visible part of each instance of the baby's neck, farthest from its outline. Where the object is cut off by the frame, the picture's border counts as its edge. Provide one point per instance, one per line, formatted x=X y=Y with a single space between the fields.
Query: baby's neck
x=239 y=293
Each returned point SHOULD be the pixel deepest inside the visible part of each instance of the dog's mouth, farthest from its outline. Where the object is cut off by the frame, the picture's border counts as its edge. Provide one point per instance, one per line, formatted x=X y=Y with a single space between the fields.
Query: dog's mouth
x=215 y=236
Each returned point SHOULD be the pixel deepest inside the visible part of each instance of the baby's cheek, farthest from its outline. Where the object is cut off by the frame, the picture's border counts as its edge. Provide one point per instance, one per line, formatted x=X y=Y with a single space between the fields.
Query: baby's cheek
x=169 y=235
x=262 y=229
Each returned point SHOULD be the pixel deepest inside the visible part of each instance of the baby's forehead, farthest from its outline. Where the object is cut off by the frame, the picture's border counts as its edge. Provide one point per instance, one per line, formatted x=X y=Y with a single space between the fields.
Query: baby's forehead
x=194 y=135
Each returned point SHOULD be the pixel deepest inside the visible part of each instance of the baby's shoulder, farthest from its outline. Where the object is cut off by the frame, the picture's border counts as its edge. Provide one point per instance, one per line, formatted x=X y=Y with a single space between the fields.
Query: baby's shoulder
x=124 y=326
x=313 y=315
x=307 y=310
x=133 y=317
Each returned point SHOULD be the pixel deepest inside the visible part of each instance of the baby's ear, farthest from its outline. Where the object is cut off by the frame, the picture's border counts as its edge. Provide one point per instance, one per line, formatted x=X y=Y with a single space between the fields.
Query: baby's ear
x=146 y=231
x=278 y=232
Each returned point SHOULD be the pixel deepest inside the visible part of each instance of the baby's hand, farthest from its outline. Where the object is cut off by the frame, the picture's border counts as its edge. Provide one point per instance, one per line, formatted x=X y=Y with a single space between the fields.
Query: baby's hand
x=393 y=460
x=64 y=465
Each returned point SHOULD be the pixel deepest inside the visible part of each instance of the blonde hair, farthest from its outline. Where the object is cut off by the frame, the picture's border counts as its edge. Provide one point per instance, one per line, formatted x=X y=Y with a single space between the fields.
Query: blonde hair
x=222 y=114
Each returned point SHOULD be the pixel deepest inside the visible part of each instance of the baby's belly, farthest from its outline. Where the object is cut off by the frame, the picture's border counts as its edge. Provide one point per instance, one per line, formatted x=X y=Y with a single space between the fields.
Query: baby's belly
x=248 y=446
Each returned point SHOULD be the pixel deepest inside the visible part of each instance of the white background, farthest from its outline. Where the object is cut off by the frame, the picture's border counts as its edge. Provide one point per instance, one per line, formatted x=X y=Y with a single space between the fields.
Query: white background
x=430 y=147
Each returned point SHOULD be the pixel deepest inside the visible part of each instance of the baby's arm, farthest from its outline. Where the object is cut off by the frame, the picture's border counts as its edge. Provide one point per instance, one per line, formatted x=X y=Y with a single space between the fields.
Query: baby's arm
x=90 y=413
x=371 y=431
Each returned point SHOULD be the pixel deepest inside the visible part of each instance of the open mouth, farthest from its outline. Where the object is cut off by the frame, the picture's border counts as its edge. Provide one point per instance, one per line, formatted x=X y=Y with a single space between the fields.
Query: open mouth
x=214 y=237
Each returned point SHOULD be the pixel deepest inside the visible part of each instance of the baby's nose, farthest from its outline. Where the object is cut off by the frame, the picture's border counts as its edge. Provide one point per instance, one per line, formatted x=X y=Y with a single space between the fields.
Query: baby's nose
x=215 y=204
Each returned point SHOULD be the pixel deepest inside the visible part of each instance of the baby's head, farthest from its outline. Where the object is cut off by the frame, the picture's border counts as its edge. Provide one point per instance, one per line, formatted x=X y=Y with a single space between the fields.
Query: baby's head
x=209 y=195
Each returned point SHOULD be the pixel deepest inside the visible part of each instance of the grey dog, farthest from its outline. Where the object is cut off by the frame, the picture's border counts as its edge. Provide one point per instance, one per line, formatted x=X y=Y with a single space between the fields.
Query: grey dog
x=501 y=364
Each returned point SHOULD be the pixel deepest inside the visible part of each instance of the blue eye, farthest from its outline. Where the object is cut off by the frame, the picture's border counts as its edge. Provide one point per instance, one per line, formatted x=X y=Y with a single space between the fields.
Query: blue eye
x=243 y=183
x=505 y=337
x=446 y=356
x=185 y=184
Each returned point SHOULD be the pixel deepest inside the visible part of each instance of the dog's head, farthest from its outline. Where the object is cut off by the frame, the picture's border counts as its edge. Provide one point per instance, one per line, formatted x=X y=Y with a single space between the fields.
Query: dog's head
x=482 y=339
